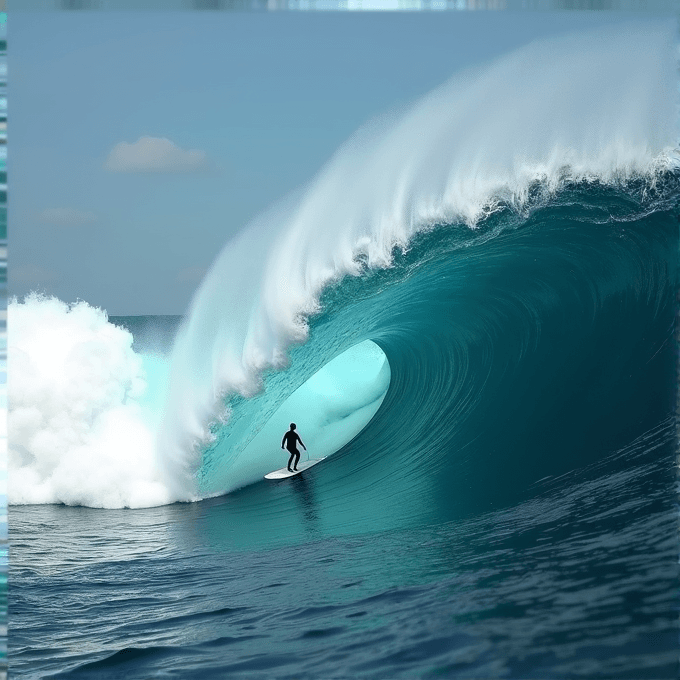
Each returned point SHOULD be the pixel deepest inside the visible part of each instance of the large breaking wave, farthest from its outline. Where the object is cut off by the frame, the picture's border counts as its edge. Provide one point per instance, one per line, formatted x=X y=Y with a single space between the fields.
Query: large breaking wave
x=503 y=242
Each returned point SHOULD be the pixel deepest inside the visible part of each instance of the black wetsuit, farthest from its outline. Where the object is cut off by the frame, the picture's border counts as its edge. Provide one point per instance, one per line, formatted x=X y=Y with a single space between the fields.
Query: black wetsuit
x=290 y=439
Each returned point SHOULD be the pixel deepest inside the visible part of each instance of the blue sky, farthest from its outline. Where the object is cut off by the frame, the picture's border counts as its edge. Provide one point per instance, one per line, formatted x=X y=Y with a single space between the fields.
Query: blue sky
x=234 y=111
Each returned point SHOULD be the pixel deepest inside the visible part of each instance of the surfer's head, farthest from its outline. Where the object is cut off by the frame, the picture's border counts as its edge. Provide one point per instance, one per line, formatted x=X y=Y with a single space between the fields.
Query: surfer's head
x=292 y=426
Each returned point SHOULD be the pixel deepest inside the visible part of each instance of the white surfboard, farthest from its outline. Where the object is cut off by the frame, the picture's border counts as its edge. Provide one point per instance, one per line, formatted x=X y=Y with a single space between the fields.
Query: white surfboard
x=284 y=473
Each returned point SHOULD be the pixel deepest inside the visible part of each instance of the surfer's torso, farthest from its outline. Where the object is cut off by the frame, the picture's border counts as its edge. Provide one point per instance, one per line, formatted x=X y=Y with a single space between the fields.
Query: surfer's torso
x=291 y=439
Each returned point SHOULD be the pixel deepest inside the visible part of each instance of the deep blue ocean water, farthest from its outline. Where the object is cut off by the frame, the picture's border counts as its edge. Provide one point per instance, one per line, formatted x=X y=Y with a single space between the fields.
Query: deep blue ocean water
x=509 y=512
x=578 y=581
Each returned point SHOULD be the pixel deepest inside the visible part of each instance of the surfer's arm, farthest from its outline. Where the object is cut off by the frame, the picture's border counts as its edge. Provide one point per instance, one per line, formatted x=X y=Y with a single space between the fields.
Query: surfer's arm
x=301 y=442
x=283 y=440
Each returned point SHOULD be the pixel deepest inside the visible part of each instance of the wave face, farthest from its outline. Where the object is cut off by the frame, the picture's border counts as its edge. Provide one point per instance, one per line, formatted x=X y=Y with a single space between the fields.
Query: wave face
x=499 y=245
x=516 y=353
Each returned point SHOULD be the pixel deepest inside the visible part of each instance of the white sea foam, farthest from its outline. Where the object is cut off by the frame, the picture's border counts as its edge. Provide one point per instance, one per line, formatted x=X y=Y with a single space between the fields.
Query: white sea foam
x=79 y=432
x=599 y=104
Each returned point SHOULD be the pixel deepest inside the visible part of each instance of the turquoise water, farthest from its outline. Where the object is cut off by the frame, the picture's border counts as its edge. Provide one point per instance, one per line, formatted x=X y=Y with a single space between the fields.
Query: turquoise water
x=506 y=347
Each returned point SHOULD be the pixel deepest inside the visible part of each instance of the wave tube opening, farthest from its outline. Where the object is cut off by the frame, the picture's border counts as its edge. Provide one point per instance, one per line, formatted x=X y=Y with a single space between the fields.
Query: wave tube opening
x=330 y=409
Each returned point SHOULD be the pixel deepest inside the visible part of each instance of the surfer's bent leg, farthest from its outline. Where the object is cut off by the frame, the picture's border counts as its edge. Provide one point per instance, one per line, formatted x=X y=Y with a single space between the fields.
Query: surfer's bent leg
x=290 y=460
x=297 y=459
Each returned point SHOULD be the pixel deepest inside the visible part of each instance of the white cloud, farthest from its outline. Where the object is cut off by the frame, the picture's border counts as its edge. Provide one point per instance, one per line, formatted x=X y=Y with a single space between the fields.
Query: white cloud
x=67 y=217
x=154 y=154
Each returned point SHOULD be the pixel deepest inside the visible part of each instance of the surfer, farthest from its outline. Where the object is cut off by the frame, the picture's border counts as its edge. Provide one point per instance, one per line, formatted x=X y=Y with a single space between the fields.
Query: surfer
x=290 y=439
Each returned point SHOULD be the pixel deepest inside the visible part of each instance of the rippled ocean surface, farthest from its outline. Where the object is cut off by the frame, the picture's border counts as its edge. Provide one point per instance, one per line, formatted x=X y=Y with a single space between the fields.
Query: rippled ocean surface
x=579 y=581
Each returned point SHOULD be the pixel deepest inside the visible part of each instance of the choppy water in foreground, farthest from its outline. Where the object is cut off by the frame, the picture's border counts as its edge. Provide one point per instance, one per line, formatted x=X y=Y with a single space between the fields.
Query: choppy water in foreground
x=579 y=581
